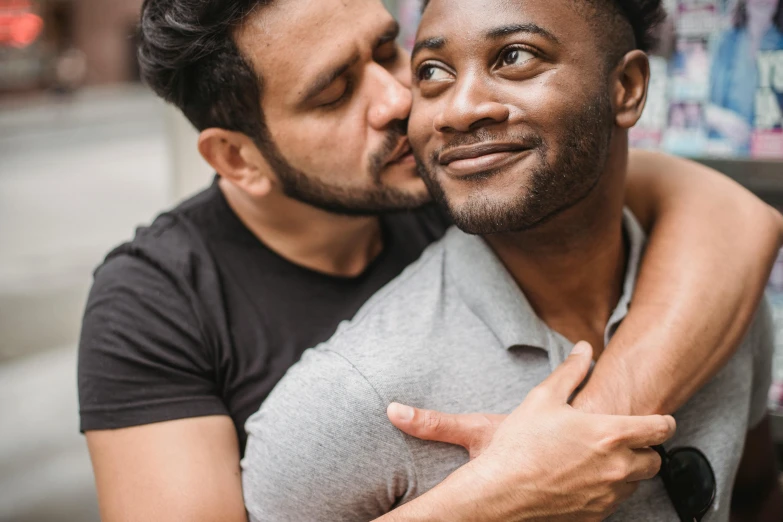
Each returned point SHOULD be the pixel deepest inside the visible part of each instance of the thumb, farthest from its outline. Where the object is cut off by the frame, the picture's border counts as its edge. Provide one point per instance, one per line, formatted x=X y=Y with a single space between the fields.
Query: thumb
x=567 y=377
x=472 y=431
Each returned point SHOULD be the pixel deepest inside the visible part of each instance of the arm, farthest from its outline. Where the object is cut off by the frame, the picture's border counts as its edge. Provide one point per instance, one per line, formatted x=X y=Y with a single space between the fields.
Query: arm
x=162 y=446
x=177 y=471
x=704 y=229
x=320 y=448
x=757 y=495
x=547 y=461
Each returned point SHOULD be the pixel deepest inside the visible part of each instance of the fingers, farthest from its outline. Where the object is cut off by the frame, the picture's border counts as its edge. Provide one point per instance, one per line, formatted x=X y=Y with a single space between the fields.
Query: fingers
x=642 y=432
x=472 y=431
x=644 y=465
x=567 y=377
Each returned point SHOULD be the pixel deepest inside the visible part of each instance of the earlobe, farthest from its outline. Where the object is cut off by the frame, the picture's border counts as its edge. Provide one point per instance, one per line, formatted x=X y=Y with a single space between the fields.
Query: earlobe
x=631 y=94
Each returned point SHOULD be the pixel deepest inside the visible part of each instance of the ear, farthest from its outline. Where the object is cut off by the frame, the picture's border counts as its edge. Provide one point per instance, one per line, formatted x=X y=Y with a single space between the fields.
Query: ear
x=630 y=92
x=236 y=158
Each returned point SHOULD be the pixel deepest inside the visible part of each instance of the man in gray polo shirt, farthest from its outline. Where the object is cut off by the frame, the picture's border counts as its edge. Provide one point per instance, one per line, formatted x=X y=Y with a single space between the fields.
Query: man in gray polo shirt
x=520 y=124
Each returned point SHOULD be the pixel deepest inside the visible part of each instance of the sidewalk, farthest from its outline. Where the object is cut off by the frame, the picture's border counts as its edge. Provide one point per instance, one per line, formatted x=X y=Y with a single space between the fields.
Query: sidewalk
x=76 y=178
x=45 y=473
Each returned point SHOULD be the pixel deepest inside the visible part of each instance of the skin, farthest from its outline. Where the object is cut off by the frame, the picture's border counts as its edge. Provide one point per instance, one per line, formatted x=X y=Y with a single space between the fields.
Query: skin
x=189 y=469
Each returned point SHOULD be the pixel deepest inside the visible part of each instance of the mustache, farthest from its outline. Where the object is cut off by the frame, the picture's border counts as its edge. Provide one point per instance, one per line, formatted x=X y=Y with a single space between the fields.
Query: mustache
x=378 y=160
x=528 y=140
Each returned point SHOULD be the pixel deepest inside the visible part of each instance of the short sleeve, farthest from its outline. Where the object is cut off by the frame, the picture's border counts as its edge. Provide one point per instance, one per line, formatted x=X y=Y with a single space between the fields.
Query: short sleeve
x=321 y=448
x=763 y=349
x=142 y=358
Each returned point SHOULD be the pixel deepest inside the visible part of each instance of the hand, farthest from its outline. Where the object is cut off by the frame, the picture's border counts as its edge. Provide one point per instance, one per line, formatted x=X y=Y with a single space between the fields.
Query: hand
x=547 y=459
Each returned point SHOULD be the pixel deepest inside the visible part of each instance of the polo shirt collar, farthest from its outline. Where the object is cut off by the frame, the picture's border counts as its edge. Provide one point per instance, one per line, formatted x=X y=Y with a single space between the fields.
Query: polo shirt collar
x=492 y=294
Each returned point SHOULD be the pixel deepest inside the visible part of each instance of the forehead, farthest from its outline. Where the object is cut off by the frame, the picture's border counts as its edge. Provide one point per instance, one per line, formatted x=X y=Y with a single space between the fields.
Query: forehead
x=295 y=39
x=469 y=21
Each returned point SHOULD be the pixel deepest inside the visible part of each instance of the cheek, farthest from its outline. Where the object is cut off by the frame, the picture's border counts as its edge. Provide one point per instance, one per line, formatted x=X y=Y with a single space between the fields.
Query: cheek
x=545 y=105
x=421 y=128
x=322 y=145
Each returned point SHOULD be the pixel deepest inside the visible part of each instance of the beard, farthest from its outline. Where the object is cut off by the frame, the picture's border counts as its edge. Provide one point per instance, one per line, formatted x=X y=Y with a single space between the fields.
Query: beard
x=373 y=199
x=554 y=186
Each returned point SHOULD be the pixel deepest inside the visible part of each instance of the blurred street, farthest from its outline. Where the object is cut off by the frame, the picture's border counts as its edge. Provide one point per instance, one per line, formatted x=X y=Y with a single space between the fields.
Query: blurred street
x=77 y=175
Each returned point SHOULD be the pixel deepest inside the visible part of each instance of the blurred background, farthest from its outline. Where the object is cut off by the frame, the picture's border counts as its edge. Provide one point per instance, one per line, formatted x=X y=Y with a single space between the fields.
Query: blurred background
x=87 y=153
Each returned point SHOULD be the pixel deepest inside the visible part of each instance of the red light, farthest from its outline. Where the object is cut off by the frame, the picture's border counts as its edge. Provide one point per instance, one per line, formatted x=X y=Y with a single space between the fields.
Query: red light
x=25 y=29
x=19 y=27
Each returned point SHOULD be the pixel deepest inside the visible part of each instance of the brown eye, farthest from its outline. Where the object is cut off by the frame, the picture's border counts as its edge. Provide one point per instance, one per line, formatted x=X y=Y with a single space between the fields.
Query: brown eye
x=515 y=56
x=431 y=73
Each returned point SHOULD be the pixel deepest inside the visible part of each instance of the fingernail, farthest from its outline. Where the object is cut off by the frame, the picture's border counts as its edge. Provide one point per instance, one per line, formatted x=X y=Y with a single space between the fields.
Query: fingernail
x=400 y=412
x=580 y=348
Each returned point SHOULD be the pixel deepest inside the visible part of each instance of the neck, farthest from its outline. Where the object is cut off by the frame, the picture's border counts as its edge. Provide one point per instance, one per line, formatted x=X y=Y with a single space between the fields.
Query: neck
x=307 y=236
x=571 y=268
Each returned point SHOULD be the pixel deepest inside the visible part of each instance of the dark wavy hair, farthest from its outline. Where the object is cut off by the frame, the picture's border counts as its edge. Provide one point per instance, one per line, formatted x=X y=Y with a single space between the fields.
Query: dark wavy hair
x=741 y=15
x=188 y=56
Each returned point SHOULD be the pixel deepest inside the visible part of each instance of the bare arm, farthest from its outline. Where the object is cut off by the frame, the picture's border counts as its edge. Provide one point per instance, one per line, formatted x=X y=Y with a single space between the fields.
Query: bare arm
x=710 y=252
x=178 y=471
x=757 y=496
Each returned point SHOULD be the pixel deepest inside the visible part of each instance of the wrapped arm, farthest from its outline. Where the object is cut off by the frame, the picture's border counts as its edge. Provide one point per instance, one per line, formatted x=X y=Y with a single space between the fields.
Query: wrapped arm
x=711 y=249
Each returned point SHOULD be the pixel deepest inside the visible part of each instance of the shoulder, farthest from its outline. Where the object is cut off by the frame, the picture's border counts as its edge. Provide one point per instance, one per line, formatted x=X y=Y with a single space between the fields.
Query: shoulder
x=172 y=240
x=403 y=309
x=321 y=448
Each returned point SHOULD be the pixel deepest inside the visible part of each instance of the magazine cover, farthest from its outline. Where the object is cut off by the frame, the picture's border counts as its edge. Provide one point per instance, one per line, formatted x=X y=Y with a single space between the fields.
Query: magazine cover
x=745 y=112
x=689 y=68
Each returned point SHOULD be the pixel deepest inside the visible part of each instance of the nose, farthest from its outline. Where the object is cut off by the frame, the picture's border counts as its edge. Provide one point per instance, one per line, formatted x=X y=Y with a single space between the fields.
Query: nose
x=469 y=106
x=392 y=101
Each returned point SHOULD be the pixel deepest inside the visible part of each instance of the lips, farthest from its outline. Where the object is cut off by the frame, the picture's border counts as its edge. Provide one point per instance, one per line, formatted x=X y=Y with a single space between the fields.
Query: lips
x=476 y=151
x=402 y=150
x=481 y=158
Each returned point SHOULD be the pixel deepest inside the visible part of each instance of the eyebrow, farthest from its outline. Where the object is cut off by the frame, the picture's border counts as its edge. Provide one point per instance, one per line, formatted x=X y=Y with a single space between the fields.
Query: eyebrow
x=325 y=79
x=434 y=43
x=438 y=42
x=530 y=28
x=391 y=33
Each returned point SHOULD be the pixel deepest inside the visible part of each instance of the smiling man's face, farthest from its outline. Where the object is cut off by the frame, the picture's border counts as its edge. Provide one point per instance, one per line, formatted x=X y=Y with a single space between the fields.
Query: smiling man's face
x=512 y=119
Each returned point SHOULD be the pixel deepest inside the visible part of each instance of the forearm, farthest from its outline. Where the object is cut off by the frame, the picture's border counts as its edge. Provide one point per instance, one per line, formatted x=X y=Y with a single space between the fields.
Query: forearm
x=465 y=496
x=708 y=258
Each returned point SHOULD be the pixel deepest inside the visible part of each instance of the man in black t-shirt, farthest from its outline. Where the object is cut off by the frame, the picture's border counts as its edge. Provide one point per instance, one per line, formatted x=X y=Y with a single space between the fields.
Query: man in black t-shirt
x=316 y=206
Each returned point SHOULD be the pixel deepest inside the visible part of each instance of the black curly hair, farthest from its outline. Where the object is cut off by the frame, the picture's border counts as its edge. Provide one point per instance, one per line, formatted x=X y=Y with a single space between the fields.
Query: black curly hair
x=188 y=56
x=626 y=24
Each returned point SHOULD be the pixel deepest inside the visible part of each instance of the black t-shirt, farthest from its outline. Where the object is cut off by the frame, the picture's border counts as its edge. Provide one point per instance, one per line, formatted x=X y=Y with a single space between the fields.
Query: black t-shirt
x=195 y=316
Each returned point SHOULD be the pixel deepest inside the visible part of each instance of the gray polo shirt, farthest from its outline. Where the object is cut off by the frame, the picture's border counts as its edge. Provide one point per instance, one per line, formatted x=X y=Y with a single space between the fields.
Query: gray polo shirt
x=453 y=333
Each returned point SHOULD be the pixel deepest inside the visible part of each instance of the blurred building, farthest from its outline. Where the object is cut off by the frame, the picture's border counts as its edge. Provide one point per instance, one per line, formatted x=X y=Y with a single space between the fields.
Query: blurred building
x=81 y=42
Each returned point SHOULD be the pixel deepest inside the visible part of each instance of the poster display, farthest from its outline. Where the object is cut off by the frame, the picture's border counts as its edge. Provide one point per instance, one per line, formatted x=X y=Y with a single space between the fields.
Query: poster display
x=725 y=79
